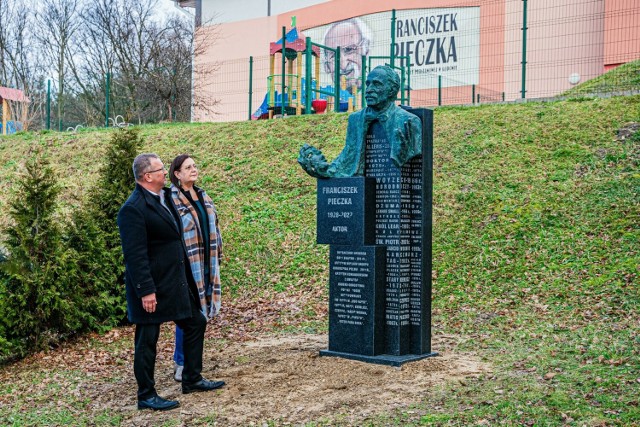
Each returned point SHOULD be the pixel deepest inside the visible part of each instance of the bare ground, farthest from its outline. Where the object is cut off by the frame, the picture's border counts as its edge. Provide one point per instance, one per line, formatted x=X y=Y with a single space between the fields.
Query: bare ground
x=269 y=377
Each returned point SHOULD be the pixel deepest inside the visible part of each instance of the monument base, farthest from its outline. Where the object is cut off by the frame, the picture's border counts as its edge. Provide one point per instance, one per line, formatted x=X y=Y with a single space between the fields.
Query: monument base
x=381 y=359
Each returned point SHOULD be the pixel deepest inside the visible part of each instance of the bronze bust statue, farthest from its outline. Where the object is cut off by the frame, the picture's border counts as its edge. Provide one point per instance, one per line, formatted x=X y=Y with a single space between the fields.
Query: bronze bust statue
x=403 y=131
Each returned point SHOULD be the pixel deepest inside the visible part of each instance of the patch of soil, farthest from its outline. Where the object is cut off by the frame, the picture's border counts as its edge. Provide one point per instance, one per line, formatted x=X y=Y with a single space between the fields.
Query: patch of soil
x=283 y=378
x=628 y=131
x=269 y=377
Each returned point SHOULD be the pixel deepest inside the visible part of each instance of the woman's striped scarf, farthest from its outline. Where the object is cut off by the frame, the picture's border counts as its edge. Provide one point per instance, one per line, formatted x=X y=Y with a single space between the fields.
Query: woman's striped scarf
x=193 y=239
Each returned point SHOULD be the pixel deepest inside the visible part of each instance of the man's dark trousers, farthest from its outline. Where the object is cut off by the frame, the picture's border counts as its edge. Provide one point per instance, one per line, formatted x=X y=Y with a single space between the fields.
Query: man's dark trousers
x=146 y=339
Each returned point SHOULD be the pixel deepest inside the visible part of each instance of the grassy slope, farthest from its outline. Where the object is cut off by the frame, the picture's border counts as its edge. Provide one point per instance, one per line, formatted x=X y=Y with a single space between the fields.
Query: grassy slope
x=622 y=78
x=536 y=251
x=536 y=237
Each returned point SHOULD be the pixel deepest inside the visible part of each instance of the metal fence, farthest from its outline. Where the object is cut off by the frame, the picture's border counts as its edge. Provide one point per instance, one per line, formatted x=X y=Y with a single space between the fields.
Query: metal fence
x=473 y=53
x=500 y=51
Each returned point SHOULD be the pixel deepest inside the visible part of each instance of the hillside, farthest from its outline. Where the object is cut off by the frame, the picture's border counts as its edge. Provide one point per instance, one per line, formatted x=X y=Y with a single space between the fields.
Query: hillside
x=624 y=78
x=535 y=247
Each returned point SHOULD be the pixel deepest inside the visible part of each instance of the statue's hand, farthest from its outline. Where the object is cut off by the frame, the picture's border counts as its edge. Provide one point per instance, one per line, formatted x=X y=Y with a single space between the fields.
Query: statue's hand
x=407 y=146
x=405 y=135
x=313 y=161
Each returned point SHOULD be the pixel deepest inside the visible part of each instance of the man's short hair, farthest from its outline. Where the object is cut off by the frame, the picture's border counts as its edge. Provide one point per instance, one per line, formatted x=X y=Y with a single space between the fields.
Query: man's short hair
x=394 y=79
x=142 y=163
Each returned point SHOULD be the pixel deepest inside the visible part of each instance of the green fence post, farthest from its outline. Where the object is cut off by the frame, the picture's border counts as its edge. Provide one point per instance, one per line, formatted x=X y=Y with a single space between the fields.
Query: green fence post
x=336 y=83
x=393 y=38
x=106 y=100
x=408 y=82
x=439 y=90
x=250 y=84
x=524 y=48
x=402 y=85
x=284 y=47
x=473 y=94
x=48 y=104
x=363 y=84
x=307 y=76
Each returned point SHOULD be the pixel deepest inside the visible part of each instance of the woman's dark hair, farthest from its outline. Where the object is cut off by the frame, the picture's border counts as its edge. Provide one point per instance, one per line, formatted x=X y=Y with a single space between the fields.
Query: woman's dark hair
x=176 y=164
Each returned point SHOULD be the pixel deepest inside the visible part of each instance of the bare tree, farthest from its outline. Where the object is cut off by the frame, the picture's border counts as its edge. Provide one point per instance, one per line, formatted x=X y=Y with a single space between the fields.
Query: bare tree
x=179 y=85
x=29 y=113
x=150 y=60
x=132 y=35
x=58 y=20
x=169 y=79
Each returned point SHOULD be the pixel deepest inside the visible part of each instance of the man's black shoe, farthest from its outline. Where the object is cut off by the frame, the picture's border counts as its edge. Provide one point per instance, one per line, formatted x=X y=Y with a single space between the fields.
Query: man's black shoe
x=202 y=385
x=157 y=403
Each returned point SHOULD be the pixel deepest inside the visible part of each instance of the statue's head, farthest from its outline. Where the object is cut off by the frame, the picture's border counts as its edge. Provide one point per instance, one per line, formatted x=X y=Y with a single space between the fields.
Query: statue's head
x=382 y=86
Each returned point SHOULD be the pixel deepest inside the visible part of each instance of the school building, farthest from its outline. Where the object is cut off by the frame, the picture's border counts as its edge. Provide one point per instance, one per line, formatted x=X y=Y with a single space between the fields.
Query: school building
x=453 y=51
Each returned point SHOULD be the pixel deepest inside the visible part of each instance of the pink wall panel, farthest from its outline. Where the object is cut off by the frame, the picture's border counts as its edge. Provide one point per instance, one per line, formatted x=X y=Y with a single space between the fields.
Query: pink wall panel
x=621 y=32
x=563 y=38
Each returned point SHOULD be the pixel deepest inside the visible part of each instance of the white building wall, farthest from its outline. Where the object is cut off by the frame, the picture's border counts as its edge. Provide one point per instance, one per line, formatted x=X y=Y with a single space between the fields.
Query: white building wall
x=224 y=11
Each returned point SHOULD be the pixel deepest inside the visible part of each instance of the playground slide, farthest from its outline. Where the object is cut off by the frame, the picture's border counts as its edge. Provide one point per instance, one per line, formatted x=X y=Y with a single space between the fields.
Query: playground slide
x=263 y=110
x=12 y=127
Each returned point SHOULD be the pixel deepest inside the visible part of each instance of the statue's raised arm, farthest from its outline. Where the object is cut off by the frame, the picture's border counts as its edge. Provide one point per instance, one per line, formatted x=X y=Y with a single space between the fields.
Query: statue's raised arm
x=403 y=131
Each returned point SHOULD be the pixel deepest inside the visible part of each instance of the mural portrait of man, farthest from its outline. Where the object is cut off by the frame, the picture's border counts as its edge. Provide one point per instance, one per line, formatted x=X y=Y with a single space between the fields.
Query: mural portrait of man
x=354 y=38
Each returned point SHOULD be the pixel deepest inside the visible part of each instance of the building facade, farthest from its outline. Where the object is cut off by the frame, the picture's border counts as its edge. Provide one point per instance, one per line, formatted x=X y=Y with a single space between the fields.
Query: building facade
x=454 y=52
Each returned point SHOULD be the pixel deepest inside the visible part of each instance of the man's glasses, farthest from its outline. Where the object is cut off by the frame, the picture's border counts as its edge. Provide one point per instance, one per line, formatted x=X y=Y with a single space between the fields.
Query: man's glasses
x=346 y=50
x=157 y=170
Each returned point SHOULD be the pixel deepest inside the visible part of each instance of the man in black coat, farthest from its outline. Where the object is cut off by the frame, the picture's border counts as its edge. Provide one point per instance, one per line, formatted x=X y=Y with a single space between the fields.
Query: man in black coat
x=159 y=283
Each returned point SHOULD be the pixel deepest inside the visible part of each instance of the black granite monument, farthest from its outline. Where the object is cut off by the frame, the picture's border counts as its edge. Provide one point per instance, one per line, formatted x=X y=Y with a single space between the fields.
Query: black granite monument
x=374 y=210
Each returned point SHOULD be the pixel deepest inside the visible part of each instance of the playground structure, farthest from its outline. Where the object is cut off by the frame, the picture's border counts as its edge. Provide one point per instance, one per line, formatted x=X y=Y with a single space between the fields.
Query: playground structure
x=119 y=121
x=8 y=95
x=289 y=93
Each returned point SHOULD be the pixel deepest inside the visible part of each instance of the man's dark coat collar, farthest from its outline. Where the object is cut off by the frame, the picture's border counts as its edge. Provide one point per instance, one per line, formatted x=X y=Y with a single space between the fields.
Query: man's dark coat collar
x=153 y=201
